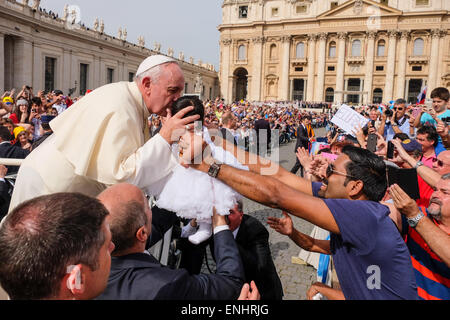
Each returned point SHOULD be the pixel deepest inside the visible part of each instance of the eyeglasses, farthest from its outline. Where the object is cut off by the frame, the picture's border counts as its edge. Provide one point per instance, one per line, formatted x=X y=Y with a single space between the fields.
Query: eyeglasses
x=399 y=109
x=440 y=163
x=330 y=171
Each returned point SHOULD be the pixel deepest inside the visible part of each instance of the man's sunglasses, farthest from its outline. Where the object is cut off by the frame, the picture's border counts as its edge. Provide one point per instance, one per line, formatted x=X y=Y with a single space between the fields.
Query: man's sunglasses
x=399 y=109
x=330 y=171
x=440 y=163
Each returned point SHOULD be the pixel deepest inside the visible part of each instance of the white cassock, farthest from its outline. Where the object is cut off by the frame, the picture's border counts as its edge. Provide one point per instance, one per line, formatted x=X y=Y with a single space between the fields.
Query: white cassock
x=99 y=141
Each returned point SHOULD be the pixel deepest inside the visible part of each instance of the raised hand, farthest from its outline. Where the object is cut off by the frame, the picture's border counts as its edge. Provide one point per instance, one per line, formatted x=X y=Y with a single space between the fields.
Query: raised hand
x=173 y=127
x=281 y=225
x=403 y=202
x=304 y=158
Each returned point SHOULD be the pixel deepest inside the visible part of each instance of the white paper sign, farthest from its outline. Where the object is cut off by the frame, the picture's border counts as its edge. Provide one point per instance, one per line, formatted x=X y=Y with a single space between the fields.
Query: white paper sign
x=348 y=119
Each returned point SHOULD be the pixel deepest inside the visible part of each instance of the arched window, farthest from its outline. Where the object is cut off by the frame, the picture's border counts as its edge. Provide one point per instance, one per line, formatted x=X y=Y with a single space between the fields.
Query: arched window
x=241 y=52
x=300 y=50
x=273 y=52
x=418 y=47
x=332 y=50
x=381 y=48
x=356 y=48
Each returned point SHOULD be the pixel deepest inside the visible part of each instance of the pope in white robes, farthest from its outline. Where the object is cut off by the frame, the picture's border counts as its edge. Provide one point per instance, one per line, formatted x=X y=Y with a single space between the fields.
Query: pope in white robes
x=103 y=139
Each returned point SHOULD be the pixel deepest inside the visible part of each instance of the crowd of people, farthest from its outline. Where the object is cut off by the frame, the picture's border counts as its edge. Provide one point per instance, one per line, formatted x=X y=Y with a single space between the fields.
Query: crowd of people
x=79 y=224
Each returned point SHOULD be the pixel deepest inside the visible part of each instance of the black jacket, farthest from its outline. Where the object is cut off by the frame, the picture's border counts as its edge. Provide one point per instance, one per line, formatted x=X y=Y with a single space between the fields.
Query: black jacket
x=253 y=243
x=260 y=126
x=302 y=138
x=11 y=152
x=140 y=276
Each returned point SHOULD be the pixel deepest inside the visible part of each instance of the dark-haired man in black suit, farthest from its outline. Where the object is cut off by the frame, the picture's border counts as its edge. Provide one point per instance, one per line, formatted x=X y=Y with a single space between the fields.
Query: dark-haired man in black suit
x=263 y=135
x=303 y=140
x=137 y=275
x=252 y=239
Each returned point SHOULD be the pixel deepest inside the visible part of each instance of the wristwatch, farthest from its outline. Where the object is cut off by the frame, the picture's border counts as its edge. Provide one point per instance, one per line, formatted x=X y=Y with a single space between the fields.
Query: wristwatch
x=414 y=221
x=214 y=169
x=418 y=164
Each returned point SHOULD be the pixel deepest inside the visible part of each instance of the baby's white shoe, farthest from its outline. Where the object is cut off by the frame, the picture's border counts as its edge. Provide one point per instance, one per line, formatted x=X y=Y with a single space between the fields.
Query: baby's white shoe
x=203 y=233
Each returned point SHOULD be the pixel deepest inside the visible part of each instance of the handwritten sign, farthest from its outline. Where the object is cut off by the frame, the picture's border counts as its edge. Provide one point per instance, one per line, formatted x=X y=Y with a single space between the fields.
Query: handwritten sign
x=348 y=119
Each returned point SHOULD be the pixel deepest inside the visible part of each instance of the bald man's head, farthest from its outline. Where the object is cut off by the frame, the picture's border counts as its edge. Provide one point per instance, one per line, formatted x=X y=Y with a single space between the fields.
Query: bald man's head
x=130 y=217
x=442 y=165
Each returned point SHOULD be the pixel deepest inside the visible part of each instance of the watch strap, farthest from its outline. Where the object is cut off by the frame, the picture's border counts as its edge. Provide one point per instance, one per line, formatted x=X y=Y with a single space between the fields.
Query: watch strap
x=214 y=169
x=418 y=164
x=415 y=220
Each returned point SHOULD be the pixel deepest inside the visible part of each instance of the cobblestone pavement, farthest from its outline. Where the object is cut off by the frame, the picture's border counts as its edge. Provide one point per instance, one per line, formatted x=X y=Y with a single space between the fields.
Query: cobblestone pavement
x=295 y=278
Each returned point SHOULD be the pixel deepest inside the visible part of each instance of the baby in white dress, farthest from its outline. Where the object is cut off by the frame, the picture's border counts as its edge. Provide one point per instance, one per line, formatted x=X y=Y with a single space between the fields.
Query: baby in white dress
x=193 y=194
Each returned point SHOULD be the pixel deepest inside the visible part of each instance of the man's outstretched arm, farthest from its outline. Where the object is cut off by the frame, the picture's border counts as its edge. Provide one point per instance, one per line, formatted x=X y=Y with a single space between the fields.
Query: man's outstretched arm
x=273 y=193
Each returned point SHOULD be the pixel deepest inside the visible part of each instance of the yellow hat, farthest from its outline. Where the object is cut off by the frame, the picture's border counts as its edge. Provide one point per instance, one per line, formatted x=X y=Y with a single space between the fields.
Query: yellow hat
x=17 y=130
x=8 y=99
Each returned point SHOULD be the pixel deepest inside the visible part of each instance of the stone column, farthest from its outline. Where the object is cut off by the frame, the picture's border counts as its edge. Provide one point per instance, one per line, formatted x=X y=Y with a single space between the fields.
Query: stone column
x=23 y=63
x=390 y=72
x=66 y=74
x=283 y=91
x=368 y=81
x=400 y=89
x=321 y=67
x=225 y=68
x=434 y=61
x=257 y=68
x=38 y=69
x=2 y=63
x=311 y=66
x=339 y=96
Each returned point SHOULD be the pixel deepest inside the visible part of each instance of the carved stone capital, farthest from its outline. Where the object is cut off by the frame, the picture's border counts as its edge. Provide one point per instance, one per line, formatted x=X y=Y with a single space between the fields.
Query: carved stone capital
x=259 y=40
x=371 y=35
x=312 y=37
x=323 y=36
x=226 y=42
x=404 y=34
x=286 y=38
x=438 y=33
x=392 y=33
x=342 y=35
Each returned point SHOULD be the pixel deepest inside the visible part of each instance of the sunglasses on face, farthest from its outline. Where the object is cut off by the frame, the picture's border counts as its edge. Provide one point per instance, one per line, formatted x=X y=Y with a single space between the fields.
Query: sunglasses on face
x=330 y=171
x=399 y=109
x=440 y=163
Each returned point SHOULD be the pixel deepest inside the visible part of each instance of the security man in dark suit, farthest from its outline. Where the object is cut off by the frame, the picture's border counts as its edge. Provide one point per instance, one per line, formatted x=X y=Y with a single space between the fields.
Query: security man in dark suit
x=263 y=134
x=137 y=275
x=252 y=239
x=303 y=141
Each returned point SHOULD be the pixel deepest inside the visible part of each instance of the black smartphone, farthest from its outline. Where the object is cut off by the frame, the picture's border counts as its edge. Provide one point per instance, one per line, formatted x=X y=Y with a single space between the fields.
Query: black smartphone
x=390 y=150
x=372 y=140
x=405 y=179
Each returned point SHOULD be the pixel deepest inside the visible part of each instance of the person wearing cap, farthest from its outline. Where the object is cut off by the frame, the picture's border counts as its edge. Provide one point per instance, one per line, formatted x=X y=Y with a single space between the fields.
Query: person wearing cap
x=8 y=151
x=6 y=106
x=20 y=113
x=103 y=139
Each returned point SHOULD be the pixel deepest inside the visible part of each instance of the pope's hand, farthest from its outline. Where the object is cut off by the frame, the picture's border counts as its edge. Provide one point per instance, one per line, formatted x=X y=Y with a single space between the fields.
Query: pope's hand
x=173 y=127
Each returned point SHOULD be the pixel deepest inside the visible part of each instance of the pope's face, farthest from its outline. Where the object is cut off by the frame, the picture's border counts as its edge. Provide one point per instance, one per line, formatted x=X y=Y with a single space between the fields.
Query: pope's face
x=165 y=90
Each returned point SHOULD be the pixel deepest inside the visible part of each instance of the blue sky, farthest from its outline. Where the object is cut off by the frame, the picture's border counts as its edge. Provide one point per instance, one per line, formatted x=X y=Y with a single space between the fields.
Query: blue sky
x=185 y=25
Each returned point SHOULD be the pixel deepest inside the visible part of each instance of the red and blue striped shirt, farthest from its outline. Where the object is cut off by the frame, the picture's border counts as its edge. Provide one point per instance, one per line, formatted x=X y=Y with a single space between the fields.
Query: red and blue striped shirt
x=432 y=274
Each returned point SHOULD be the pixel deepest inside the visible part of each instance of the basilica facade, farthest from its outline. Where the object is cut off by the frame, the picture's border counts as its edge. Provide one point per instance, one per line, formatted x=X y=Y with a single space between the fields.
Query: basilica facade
x=356 y=51
x=48 y=52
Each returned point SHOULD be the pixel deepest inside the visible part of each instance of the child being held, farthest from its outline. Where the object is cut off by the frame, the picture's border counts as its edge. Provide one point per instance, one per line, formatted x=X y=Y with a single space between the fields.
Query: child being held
x=192 y=194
